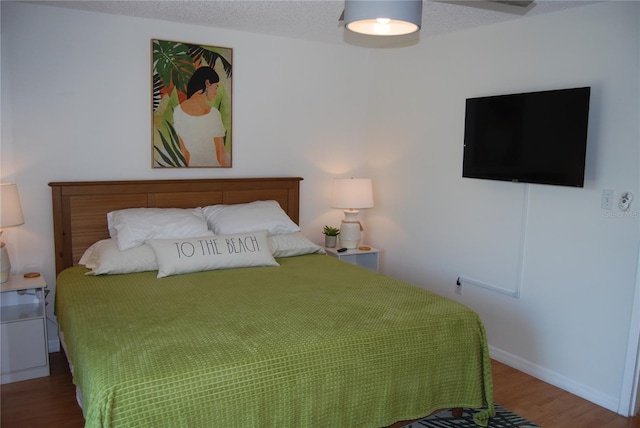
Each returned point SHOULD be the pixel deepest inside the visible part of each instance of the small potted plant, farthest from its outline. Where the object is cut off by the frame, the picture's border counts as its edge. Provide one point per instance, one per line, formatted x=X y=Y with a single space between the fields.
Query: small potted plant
x=330 y=236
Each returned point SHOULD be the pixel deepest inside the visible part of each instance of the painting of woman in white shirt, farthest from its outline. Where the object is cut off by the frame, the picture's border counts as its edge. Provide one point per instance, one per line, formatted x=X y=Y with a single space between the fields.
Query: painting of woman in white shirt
x=199 y=125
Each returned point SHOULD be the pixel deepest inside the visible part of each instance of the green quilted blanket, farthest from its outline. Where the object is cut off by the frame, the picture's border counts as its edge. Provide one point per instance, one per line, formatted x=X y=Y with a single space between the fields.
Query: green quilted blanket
x=315 y=342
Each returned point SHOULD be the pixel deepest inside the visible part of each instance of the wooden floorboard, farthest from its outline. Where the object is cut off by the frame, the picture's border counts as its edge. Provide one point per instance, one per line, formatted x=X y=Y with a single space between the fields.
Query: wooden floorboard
x=43 y=402
x=50 y=402
x=548 y=406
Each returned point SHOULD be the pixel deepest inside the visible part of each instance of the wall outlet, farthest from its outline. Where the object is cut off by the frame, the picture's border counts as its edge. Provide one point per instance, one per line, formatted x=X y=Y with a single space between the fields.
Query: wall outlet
x=458 y=289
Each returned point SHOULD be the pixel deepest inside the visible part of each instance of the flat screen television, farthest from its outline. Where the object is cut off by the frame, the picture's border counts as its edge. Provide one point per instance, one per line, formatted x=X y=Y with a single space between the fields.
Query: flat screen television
x=535 y=137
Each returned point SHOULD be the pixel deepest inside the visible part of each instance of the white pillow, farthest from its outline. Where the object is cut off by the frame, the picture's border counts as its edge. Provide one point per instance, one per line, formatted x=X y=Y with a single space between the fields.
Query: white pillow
x=293 y=244
x=104 y=257
x=134 y=226
x=88 y=252
x=176 y=256
x=249 y=217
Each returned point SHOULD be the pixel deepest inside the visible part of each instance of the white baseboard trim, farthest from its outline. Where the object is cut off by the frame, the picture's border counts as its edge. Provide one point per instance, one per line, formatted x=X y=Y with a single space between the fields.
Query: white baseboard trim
x=555 y=379
x=54 y=345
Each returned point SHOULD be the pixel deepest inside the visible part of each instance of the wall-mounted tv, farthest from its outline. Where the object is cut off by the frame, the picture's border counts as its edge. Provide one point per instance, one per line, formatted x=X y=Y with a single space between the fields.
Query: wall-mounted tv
x=535 y=137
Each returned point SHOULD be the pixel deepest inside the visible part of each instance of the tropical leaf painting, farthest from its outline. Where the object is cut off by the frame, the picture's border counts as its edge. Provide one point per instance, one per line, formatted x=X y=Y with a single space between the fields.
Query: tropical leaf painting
x=172 y=67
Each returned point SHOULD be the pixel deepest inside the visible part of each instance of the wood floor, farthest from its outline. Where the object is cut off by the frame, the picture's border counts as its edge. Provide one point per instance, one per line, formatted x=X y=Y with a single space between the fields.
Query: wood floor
x=50 y=402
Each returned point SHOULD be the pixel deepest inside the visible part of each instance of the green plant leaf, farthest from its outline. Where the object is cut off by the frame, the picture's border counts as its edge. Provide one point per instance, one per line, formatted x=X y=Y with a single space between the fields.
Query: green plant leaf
x=173 y=64
x=211 y=54
x=170 y=152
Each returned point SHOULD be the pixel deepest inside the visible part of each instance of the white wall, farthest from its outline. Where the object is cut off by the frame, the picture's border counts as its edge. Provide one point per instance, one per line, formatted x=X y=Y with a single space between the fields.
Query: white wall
x=571 y=323
x=75 y=106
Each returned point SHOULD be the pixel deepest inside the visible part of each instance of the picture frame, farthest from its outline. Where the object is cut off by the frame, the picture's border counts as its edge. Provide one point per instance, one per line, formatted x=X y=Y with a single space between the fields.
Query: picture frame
x=191 y=105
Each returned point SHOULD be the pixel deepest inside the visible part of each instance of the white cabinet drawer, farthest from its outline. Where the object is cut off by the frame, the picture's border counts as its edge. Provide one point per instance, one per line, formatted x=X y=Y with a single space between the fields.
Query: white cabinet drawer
x=22 y=345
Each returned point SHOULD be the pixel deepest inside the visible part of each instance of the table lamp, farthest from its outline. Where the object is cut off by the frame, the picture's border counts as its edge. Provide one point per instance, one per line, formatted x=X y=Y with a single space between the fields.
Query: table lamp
x=10 y=216
x=351 y=194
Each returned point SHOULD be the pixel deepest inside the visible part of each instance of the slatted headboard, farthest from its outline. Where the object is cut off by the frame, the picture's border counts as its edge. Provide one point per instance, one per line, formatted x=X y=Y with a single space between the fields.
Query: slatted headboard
x=80 y=208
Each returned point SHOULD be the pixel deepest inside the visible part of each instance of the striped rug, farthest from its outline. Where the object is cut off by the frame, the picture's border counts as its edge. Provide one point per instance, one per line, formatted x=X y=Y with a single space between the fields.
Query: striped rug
x=504 y=419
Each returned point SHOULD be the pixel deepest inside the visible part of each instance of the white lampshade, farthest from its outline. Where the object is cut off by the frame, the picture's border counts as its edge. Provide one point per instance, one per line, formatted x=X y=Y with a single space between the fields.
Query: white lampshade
x=351 y=194
x=10 y=216
x=383 y=17
x=10 y=208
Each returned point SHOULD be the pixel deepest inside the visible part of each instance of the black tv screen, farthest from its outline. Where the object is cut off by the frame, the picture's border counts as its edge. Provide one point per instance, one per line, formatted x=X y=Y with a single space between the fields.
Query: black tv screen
x=535 y=137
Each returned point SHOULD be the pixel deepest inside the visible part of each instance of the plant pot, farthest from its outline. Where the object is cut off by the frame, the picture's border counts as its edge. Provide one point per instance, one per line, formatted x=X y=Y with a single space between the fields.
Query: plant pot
x=330 y=241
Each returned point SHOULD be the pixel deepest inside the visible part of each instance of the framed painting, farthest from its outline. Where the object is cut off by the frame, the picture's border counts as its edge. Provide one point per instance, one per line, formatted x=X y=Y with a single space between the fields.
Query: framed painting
x=191 y=99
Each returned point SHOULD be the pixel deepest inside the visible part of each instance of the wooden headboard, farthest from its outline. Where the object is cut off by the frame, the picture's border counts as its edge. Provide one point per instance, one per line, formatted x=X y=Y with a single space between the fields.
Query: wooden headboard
x=80 y=208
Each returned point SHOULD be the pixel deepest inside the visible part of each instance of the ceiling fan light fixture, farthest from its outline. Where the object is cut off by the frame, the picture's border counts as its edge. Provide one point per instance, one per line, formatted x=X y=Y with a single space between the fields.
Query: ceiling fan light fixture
x=383 y=17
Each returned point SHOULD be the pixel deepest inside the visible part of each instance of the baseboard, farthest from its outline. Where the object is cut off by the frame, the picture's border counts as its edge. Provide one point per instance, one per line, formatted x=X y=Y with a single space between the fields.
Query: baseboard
x=53 y=342
x=555 y=379
x=54 y=345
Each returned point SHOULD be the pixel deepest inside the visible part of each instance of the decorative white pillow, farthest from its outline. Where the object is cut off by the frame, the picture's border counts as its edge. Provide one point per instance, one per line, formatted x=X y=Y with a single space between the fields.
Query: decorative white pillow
x=134 y=226
x=176 y=256
x=249 y=217
x=104 y=257
x=293 y=244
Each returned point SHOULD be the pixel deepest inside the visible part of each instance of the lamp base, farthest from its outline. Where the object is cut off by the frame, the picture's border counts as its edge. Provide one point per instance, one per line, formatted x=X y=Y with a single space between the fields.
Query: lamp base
x=5 y=264
x=350 y=230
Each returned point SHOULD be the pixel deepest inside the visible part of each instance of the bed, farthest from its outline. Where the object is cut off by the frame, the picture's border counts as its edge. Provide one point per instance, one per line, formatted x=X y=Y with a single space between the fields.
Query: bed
x=309 y=341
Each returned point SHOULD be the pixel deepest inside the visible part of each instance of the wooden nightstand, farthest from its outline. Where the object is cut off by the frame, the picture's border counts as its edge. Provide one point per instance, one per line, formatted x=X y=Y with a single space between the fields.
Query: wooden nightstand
x=366 y=258
x=24 y=352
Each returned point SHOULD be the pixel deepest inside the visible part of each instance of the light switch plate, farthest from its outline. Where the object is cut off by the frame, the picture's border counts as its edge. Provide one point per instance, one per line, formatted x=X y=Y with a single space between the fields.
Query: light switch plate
x=607 y=200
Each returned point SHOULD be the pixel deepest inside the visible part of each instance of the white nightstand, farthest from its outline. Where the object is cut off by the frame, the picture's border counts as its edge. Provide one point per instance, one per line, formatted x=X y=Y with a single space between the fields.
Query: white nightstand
x=366 y=258
x=24 y=350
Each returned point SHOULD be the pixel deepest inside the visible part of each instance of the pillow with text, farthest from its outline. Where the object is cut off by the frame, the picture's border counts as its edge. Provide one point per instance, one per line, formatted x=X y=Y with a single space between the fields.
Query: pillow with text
x=177 y=256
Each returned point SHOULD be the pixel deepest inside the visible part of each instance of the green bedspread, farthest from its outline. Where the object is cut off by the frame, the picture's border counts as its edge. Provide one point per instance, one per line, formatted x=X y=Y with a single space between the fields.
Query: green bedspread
x=315 y=342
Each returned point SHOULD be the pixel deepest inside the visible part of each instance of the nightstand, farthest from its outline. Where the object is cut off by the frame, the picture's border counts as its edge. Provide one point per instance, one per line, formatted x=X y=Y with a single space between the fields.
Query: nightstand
x=366 y=258
x=24 y=352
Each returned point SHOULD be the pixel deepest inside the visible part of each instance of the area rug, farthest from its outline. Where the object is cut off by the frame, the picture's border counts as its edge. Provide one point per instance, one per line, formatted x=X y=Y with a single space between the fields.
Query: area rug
x=504 y=418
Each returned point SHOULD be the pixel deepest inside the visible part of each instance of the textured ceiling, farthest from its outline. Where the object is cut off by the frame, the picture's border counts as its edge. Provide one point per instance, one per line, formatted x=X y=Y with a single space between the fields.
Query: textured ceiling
x=315 y=20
